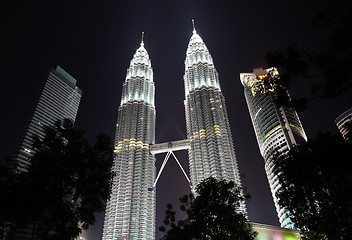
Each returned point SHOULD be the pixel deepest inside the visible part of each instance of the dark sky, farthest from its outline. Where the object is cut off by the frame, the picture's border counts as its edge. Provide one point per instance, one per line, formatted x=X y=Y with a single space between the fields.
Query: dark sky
x=95 y=41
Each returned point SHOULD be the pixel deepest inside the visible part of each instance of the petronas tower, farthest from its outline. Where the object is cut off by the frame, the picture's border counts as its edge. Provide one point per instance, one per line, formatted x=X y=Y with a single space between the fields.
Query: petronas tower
x=211 y=151
x=130 y=212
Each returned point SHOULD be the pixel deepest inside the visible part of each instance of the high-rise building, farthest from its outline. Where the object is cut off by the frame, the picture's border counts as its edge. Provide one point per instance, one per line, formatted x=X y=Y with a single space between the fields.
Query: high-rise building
x=344 y=124
x=211 y=151
x=277 y=128
x=59 y=98
x=130 y=211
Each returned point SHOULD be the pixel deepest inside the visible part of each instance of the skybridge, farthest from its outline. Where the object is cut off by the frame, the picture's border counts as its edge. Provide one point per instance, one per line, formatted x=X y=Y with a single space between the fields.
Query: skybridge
x=169 y=148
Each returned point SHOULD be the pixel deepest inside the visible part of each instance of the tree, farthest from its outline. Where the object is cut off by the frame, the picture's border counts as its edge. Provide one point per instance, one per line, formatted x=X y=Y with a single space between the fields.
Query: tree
x=212 y=214
x=315 y=187
x=13 y=210
x=67 y=182
x=327 y=61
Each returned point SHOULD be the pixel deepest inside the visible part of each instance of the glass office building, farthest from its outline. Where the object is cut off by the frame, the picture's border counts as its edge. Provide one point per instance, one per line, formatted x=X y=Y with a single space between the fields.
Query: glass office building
x=59 y=98
x=277 y=127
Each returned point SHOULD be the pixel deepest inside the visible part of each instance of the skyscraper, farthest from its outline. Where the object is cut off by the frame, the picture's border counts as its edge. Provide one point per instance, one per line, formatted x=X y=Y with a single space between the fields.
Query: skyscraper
x=59 y=98
x=211 y=151
x=130 y=212
x=344 y=124
x=277 y=128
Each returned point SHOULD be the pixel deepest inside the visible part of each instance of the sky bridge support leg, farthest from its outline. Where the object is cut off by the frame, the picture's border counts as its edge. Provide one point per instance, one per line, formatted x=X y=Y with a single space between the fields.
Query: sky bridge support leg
x=163 y=166
x=180 y=166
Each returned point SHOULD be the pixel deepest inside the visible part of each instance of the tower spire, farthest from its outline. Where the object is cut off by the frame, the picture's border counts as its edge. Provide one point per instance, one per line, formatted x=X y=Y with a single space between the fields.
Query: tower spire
x=142 y=40
x=194 y=28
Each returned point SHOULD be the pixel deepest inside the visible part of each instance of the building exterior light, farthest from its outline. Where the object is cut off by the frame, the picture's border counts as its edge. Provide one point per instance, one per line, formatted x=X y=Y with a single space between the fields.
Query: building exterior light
x=261 y=77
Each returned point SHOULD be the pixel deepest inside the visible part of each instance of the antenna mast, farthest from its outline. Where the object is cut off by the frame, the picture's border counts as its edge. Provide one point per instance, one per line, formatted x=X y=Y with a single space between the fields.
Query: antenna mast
x=194 y=28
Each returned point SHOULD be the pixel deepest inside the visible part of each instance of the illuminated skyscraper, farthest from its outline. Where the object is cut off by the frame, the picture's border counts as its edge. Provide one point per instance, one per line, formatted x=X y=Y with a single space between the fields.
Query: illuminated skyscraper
x=130 y=212
x=59 y=98
x=211 y=151
x=277 y=128
x=344 y=124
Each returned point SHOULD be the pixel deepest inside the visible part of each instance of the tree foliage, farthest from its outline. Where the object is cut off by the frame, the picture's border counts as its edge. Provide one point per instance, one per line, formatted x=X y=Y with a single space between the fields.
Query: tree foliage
x=315 y=187
x=327 y=60
x=67 y=182
x=13 y=186
x=212 y=214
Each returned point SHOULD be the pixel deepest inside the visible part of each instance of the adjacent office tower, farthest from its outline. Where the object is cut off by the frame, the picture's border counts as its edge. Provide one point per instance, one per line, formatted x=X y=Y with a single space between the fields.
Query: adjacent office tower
x=277 y=128
x=59 y=98
x=130 y=212
x=211 y=151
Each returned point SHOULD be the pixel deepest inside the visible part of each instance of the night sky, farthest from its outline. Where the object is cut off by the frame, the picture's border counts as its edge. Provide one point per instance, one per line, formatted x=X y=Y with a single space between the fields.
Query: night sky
x=95 y=41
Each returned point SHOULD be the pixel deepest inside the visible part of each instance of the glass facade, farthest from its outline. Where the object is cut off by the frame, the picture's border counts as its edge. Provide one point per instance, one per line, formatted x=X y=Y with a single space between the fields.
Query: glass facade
x=59 y=98
x=277 y=128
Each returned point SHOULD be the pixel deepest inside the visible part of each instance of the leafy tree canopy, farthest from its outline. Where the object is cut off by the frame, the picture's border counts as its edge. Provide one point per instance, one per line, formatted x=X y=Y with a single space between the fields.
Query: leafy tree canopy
x=67 y=182
x=316 y=182
x=212 y=214
x=326 y=62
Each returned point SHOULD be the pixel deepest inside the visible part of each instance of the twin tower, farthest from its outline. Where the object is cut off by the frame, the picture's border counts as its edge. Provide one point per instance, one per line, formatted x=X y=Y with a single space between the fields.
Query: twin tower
x=130 y=212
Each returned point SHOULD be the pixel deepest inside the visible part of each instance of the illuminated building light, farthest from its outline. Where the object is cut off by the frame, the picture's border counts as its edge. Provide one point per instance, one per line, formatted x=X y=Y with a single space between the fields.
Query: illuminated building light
x=131 y=144
x=272 y=131
x=261 y=77
x=298 y=128
x=27 y=150
x=257 y=113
